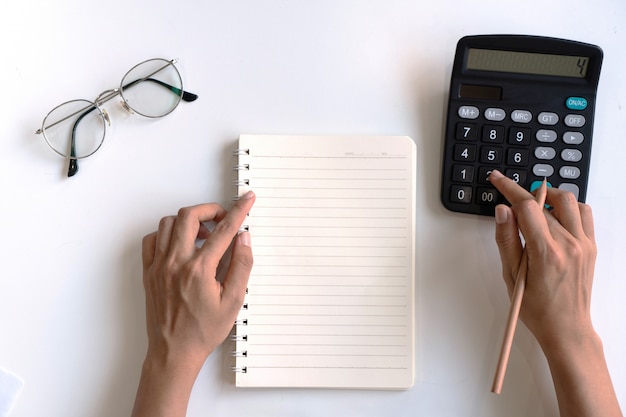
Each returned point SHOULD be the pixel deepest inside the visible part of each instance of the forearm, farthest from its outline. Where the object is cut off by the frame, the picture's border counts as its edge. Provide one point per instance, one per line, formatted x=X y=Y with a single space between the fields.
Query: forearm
x=581 y=377
x=164 y=388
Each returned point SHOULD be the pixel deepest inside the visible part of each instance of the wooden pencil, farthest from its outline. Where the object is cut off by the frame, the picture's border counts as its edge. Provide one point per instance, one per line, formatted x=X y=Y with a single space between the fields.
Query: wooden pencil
x=516 y=304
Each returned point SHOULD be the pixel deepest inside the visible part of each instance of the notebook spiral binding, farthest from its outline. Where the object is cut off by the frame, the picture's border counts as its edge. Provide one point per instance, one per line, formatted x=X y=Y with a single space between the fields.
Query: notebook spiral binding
x=240 y=338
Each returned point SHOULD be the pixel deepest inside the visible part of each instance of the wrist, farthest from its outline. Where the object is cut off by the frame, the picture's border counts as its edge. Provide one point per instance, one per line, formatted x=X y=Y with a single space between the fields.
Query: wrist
x=560 y=339
x=165 y=385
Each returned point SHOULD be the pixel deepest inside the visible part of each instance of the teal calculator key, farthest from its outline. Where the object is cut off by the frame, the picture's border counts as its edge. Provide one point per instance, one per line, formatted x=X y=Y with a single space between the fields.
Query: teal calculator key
x=576 y=103
x=537 y=184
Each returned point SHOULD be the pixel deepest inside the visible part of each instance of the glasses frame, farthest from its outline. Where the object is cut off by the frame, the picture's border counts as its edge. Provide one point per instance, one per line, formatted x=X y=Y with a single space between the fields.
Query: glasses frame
x=105 y=97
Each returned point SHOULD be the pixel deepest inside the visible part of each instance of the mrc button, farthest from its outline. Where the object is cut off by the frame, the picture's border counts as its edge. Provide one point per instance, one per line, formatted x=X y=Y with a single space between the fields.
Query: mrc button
x=521 y=116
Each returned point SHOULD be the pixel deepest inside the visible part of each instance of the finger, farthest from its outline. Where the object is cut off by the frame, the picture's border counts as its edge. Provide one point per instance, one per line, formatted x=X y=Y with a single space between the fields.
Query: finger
x=224 y=232
x=532 y=221
x=567 y=211
x=164 y=236
x=511 y=190
x=189 y=226
x=148 y=247
x=586 y=216
x=204 y=232
x=236 y=281
x=509 y=244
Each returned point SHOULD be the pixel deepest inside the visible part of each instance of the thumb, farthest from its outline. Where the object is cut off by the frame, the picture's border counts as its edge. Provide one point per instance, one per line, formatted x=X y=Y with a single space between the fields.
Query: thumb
x=509 y=244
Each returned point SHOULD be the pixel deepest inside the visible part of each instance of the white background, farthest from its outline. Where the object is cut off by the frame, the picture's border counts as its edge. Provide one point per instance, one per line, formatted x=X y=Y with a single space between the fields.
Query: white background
x=71 y=297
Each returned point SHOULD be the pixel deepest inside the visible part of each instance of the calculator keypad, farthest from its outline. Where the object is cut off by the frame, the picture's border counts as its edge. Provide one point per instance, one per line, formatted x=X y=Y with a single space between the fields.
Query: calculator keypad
x=523 y=144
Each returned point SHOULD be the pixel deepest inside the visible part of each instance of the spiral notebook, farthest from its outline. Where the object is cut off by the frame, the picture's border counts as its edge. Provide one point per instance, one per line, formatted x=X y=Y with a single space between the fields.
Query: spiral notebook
x=330 y=301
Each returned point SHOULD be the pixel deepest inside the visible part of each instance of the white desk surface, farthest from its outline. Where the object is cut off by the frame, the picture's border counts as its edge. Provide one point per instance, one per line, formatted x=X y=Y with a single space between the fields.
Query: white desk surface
x=71 y=296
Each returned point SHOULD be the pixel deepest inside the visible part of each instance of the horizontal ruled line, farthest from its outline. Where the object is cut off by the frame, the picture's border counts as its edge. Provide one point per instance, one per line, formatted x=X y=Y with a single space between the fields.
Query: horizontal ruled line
x=329 y=276
x=324 y=367
x=256 y=314
x=400 y=156
x=329 y=354
x=269 y=216
x=330 y=246
x=360 y=285
x=280 y=187
x=327 y=325
x=327 y=335
x=326 y=305
x=326 y=344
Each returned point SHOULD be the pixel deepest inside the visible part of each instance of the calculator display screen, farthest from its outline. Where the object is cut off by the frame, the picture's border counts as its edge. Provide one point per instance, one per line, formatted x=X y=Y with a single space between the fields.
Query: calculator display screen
x=527 y=63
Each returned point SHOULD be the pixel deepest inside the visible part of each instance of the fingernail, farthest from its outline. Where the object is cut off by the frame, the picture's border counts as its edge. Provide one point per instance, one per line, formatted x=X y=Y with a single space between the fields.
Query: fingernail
x=244 y=238
x=502 y=214
x=496 y=174
x=247 y=196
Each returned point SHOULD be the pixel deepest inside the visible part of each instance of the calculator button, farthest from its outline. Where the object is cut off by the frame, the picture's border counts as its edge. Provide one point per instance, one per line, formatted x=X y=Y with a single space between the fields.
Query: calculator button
x=573 y=138
x=570 y=173
x=495 y=114
x=519 y=136
x=463 y=173
x=576 y=103
x=465 y=153
x=493 y=134
x=518 y=157
x=548 y=118
x=521 y=116
x=546 y=136
x=571 y=155
x=543 y=170
x=488 y=196
x=461 y=194
x=517 y=175
x=466 y=131
x=543 y=152
x=574 y=120
x=483 y=174
x=468 y=112
x=572 y=188
x=491 y=155
x=537 y=184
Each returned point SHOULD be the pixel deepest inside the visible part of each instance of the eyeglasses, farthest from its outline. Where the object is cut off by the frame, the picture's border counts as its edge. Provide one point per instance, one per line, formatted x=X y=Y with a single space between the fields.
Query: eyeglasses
x=76 y=128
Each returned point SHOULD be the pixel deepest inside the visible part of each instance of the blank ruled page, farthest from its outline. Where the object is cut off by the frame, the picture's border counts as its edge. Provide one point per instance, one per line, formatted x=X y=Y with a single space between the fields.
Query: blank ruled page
x=330 y=298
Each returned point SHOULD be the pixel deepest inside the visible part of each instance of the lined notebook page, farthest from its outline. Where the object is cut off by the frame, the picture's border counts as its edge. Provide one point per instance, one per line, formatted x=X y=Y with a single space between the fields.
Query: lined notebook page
x=331 y=296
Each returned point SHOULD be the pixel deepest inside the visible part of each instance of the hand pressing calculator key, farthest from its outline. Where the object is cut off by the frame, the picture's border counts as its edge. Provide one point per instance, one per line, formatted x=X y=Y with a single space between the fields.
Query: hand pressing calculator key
x=523 y=105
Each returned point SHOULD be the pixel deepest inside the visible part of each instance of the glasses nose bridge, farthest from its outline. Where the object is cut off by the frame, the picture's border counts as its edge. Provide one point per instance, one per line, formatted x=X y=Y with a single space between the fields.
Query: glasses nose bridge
x=106 y=96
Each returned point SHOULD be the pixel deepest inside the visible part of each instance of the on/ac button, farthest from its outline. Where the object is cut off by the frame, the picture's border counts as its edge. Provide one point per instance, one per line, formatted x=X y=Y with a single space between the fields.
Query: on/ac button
x=576 y=103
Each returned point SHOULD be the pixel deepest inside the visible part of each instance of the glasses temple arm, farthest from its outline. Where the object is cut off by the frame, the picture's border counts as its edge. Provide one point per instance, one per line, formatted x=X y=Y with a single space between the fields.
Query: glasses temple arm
x=185 y=95
x=73 y=162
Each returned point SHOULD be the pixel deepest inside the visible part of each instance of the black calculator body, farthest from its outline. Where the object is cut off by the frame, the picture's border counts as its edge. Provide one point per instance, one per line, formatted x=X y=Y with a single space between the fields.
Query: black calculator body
x=523 y=105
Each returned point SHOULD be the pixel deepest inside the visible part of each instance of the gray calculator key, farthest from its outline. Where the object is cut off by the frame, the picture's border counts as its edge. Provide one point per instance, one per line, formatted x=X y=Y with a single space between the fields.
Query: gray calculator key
x=575 y=120
x=543 y=170
x=548 y=118
x=572 y=188
x=571 y=155
x=495 y=114
x=547 y=136
x=468 y=112
x=521 y=116
x=569 y=172
x=573 y=138
x=543 y=152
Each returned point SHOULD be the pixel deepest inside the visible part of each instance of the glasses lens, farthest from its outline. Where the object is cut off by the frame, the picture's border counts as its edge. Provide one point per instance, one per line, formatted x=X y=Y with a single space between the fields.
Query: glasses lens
x=74 y=129
x=152 y=88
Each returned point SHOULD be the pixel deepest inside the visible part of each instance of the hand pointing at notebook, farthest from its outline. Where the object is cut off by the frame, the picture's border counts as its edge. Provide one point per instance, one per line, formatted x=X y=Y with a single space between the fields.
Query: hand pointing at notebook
x=188 y=311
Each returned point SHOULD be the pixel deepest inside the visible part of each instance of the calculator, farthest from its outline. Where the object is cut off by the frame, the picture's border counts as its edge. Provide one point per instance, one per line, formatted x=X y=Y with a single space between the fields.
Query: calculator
x=523 y=105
